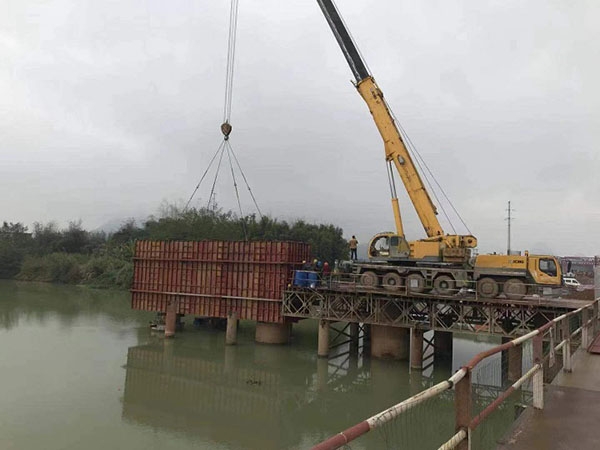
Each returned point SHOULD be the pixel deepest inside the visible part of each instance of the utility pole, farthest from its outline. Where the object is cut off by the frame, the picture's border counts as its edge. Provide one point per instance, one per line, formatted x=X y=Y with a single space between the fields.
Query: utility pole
x=509 y=218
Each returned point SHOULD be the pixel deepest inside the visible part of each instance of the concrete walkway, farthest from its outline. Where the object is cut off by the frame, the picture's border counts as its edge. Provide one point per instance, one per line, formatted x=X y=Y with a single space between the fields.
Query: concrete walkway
x=570 y=419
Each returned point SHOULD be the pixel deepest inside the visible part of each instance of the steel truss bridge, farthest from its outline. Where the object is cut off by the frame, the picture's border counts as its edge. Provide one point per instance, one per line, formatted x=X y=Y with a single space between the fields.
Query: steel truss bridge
x=458 y=314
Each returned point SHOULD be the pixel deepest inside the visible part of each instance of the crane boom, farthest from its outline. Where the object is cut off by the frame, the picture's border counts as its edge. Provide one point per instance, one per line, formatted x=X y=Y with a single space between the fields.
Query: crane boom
x=395 y=149
x=396 y=153
x=441 y=262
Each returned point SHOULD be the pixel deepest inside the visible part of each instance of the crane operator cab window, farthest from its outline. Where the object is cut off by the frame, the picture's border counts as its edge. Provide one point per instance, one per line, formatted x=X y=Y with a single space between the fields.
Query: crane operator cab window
x=381 y=246
x=548 y=266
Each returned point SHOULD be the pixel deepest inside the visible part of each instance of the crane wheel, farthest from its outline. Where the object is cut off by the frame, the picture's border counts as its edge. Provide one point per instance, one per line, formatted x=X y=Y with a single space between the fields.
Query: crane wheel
x=392 y=281
x=444 y=285
x=415 y=283
x=369 y=279
x=514 y=289
x=488 y=288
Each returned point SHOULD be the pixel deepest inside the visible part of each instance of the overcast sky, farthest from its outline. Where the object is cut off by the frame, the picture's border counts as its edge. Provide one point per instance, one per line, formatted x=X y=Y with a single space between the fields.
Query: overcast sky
x=110 y=108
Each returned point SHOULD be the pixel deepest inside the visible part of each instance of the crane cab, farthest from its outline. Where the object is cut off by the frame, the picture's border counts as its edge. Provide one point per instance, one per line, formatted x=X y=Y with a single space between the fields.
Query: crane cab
x=388 y=246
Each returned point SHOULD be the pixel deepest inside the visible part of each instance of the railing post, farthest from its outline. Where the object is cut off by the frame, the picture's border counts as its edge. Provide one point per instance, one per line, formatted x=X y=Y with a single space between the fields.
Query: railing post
x=585 y=331
x=566 y=350
x=538 y=377
x=462 y=407
x=595 y=321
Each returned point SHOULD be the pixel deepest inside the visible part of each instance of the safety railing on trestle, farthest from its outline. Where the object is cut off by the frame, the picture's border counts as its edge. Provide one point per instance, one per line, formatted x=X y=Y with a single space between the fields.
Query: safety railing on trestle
x=517 y=369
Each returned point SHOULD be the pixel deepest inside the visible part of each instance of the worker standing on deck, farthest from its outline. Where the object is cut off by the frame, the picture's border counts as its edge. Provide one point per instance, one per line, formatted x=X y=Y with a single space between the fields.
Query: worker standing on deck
x=353 y=244
x=326 y=270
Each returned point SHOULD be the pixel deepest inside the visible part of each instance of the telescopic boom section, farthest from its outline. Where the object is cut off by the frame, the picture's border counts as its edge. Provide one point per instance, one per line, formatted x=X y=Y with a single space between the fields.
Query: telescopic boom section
x=395 y=150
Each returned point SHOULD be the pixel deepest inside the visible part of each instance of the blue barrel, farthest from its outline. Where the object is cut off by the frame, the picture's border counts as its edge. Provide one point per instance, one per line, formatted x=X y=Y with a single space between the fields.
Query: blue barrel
x=300 y=278
x=312 y=279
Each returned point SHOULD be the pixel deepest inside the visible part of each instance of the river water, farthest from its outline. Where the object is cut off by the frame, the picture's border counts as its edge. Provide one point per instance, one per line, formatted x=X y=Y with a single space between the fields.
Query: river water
x=80 y=369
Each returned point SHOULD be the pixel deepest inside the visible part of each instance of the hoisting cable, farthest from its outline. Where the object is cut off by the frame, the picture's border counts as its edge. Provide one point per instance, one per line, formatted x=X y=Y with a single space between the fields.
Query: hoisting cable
x=203 y=176
x=246 y=182
x=226 y=127
x=212 y=190
x=420 y=161
x=414 y=150
x=440 y=188
x=237 y=194
x=417 y=159
x=408 y=146
x=233 y=15
x=391 y=180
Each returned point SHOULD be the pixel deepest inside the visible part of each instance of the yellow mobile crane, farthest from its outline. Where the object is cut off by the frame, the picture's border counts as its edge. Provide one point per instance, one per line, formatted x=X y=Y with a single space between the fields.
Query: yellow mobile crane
x=440 y=261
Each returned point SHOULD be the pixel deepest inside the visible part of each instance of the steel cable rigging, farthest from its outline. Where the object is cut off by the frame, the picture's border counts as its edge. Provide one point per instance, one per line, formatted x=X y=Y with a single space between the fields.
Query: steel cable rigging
x=226 y=128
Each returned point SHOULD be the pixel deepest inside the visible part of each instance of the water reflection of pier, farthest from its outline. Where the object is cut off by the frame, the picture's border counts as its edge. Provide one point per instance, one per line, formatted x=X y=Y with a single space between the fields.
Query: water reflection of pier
x=257 y=397
x=212 y=398
x=235 y=395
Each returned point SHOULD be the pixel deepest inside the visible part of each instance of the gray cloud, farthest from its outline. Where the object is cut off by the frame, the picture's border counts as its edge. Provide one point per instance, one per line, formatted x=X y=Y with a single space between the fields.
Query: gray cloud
x=109 y=109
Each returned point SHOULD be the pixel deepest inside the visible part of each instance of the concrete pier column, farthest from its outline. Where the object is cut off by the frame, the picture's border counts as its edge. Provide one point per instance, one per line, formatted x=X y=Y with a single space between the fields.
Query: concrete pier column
x=323 y=345
x=353 y=337
x=232 y=326
x=443 y=345
x=171 y=318
x=390 y=342
x=515 y=363
x=273 y=333
x=416 y=349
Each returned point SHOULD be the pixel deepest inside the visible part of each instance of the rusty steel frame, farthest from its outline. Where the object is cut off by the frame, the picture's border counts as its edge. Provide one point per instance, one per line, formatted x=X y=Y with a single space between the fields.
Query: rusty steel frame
x=441 y=314
x=463 y=385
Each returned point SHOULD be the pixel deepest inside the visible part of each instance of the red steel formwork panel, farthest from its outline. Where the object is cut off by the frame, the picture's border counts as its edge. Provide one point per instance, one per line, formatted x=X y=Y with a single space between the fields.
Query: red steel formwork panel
x=214 y=278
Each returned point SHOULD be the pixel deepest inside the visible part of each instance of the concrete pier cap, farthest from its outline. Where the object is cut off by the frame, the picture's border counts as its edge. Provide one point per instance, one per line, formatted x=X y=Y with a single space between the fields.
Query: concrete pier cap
x=273 y=333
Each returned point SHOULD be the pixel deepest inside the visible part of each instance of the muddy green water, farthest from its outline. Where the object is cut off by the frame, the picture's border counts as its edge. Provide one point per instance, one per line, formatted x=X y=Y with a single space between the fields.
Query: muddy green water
x=79 y=369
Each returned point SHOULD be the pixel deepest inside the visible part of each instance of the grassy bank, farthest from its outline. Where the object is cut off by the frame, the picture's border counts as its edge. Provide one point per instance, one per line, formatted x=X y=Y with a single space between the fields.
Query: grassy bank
x=97 y=271
x=75 y=256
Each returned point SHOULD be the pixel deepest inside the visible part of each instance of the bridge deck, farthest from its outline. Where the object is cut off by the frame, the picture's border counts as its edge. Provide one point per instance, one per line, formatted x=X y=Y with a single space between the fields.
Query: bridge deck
x=569 y=419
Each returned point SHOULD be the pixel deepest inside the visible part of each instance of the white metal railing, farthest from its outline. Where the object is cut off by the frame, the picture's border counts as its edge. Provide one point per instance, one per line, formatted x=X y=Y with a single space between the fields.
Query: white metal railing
x=462 y=384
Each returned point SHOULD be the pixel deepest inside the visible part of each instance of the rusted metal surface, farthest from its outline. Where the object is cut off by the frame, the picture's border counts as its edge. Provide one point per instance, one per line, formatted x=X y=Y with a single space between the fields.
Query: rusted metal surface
x=461 y=382
x=454 y=441
x=595 y=345
x=503 y=396
x=214 y=278
x=344 y=437
x=387 y=415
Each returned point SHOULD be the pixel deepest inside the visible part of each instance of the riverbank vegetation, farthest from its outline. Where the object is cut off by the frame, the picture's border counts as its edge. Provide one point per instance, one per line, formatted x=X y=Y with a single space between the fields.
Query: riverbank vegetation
x=76 y=256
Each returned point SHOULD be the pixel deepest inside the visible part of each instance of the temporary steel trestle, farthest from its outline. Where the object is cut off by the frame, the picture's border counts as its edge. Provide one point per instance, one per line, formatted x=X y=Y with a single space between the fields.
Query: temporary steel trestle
x=502 y=317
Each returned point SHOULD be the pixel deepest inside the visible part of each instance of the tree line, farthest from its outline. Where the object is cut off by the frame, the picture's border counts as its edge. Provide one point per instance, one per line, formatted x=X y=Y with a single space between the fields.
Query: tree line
x=78 y=256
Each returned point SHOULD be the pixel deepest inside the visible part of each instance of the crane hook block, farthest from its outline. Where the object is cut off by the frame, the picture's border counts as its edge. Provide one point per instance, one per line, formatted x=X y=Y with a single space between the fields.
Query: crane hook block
x=226 y=129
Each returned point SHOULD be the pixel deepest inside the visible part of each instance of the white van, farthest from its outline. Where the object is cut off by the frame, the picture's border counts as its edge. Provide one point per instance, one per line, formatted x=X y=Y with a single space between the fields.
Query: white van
x=571 y=282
